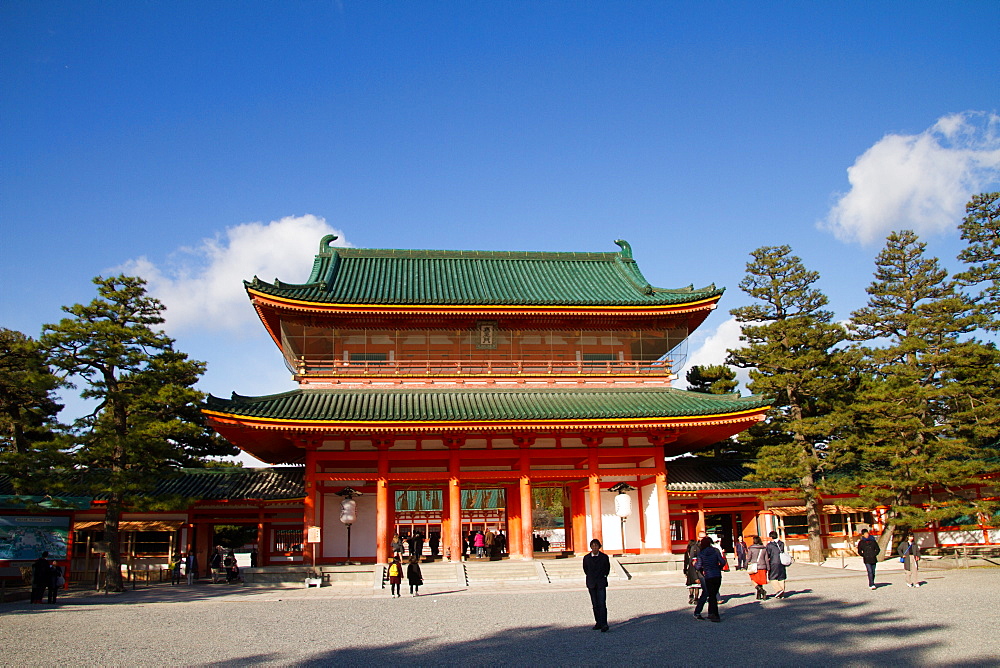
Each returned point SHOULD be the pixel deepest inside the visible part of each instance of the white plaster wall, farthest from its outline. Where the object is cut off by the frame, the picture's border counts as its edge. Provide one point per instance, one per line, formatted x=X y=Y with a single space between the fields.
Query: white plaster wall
x=362 y=531
x=611 y=524
x=651 y=510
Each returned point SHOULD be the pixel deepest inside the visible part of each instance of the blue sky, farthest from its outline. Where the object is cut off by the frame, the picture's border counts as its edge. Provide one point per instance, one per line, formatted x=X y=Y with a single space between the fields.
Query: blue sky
x=202 y=143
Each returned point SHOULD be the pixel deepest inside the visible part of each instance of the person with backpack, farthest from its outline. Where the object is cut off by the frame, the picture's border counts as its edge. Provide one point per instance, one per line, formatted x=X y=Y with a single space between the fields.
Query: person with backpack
x=776 y=564
x=395 y=576
x=868 y=549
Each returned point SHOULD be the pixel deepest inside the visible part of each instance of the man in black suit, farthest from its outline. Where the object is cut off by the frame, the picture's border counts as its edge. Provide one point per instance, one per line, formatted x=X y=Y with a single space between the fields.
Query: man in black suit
x=596 y=566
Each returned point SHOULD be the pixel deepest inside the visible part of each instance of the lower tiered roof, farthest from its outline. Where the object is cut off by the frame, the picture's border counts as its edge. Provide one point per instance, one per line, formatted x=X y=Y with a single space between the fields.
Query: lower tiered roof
x=697 y=419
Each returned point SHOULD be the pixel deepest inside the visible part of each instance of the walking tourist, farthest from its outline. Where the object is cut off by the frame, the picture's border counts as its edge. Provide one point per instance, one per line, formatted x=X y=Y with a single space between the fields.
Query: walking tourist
x=40 y=576
x=480 y=544
x=418 y=545
x=710 y=563
x=191 y=566
x=216 y=564
x=775 y=566
x=232 y=568
x=741 y=553
x=395 y=576
x=56 y=581
x=757 y=566
x=501 y=542
x=434 y=542
x=596 y=567
x=909 y=554
x=868 y=549
x=175 y=569
x=396 y=544
x=413 y=575
x=693 y=576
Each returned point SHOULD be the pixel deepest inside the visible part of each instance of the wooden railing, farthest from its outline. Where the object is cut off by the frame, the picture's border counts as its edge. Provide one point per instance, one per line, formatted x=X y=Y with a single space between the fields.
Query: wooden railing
x=306 y=368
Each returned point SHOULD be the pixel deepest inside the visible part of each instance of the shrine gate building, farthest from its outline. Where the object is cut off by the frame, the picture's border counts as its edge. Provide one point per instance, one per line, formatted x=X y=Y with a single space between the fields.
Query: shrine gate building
x=429 y=377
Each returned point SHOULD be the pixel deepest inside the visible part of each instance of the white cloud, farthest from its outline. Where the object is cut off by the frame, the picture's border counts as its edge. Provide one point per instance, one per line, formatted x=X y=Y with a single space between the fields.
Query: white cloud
x=919 y=182
x=202 y=287
x=713 y=351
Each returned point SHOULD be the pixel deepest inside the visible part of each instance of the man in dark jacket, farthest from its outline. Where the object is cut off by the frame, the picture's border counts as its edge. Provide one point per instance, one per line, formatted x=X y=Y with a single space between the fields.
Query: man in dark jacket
x=596 y=566
x=41 y=576
x=868 y=549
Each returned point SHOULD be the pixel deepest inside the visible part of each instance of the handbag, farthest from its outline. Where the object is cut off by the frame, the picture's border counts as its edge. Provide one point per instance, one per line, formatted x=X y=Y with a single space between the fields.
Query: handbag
x=752 y=568
x=784 y=558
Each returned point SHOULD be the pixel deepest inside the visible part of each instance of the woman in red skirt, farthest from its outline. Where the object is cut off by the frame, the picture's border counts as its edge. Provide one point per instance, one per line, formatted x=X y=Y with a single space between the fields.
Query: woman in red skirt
x=757 y=559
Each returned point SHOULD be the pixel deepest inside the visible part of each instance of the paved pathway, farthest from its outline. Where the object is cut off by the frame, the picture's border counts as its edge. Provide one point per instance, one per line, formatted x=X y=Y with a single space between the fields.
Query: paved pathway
x=830 y=619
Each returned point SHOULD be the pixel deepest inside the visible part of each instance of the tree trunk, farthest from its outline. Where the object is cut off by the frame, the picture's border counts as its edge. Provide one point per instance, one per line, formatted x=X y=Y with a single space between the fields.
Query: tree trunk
x=812 y=520
x=112 y=558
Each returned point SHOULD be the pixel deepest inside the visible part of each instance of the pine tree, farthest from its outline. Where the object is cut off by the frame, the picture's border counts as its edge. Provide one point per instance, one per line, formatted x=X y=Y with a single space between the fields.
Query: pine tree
x=792 y=353
x=29 y=430
x=718 y=379
x=909 y=438
x=711 y=379
x=981 y=229
x=146 y=417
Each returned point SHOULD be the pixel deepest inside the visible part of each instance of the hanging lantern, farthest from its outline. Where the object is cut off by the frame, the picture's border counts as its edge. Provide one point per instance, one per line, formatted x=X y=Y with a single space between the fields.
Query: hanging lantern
x=623 y=505
x=348 y=511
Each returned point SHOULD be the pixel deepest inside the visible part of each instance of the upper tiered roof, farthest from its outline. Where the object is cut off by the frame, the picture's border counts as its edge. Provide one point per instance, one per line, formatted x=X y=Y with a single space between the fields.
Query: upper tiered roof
x=365 y=276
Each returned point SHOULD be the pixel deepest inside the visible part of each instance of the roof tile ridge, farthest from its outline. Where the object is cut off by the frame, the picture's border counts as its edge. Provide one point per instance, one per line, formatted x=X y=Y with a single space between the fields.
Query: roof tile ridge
x=443 y=253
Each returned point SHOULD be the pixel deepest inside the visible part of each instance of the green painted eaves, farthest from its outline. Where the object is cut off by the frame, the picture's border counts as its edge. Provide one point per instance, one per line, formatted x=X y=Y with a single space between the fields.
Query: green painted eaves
x=367 y=276
x=483 y=404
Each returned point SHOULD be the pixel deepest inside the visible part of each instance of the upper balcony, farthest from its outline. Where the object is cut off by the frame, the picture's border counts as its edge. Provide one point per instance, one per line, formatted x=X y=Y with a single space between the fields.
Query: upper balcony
x=314 y=352
x=304 y=368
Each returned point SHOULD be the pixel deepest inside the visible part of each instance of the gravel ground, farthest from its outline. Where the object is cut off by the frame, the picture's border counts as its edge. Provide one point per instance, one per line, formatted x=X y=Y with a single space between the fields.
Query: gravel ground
x=831 y=618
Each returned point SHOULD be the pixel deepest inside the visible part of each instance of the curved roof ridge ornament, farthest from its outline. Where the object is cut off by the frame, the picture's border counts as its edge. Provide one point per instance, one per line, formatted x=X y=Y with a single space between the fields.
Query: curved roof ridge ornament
x=626 y=248
x=326 y=242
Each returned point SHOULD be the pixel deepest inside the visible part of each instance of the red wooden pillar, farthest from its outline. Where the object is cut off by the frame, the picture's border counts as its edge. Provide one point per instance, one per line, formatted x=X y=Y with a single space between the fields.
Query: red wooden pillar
x=514 y=547
x=455 y=518
x=578 y=505
x=454 y=496
x=309 y=550
x=663 y=507
x=203 y=547
x=596 y=520
x=383 y=513
x=527 y=549
x=567 y=520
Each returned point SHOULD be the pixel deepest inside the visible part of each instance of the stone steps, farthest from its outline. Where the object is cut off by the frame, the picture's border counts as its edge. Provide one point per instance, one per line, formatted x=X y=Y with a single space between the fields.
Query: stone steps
x=504 y=571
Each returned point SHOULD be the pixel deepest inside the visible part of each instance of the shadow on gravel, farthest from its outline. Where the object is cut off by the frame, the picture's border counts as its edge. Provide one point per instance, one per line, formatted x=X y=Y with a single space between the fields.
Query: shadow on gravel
x=802 y=631
x=160 y=593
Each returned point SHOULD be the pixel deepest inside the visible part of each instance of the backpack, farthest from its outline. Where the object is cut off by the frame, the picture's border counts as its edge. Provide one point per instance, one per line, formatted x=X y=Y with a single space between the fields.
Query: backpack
x=393 y=570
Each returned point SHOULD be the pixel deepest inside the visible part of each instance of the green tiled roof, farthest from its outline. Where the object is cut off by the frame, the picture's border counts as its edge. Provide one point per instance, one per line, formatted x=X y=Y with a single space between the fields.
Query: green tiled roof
x=365 y=276
x=696 y=474
x=480 y=404
x=265 y=484
x=236 y=484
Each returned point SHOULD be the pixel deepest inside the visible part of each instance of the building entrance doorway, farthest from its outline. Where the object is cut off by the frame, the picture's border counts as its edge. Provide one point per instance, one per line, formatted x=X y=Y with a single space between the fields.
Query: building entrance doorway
x=722 y=527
